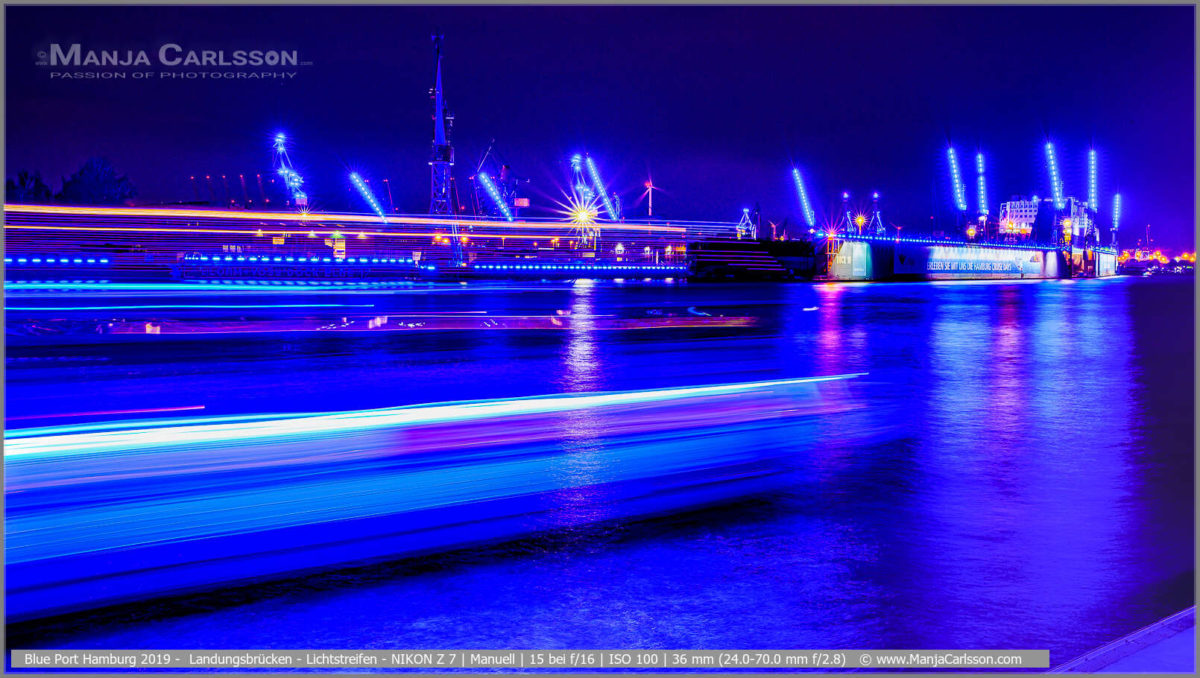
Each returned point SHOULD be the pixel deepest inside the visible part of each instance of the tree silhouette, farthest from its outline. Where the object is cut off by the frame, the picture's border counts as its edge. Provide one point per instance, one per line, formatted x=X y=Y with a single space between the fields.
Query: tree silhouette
x=27 y=188
x=96 y=183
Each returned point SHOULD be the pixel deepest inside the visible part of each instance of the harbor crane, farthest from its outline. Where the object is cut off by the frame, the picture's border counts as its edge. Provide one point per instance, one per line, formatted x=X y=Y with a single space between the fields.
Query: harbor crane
x=291 y=178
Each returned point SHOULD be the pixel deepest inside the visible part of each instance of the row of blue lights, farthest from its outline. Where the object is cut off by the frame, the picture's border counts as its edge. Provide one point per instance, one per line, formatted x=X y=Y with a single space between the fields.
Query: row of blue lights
x=55 y=282
x=304 y=283
x=63 y=261
x=960 y=194
x=983 y=208
x=490 y=186
x=600 y=190
x=1056 y=187
x=1093 y=195
x=367 y=195
x=1116 y=218
x=809 y=217
x=576 y=267
x=303 y=260
x=932 y=241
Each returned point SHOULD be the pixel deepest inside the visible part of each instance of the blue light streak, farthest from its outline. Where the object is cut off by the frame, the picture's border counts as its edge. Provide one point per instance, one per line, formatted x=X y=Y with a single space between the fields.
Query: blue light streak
x=366 y=194
x=491 y=189
x=1093 y=194
x=983 y=208
x=1116 y=217
x=809 y=217
x=81 y=439
x=1056 y=186
x=182 y=307
x=960 y=194
x=600 y=190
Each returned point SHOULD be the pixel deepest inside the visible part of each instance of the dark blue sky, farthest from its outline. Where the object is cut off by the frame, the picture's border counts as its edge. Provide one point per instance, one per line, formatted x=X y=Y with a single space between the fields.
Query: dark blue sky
x=716 y=103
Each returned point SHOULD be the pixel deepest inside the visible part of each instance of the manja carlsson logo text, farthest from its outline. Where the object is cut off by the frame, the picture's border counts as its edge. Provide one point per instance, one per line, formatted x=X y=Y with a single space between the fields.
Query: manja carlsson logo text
x=169 y=54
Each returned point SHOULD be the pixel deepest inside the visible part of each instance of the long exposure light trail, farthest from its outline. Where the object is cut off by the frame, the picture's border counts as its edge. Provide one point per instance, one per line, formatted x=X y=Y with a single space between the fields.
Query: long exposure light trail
x=123 y=511
x=53 y=441
x=307 y=217
x=183 y=307
x=102 y=413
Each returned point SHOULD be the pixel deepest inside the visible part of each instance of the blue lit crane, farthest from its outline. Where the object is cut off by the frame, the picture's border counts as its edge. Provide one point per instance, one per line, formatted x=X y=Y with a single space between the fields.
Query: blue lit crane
x=285 y=169
x=498 y=196
x=613 y=211
x=956 y=185
x=1093 y=194
x=367 y=195
x=876 y=221
x=1056 y=185
x=981 y=197
x=494 y=193
x=809 y=217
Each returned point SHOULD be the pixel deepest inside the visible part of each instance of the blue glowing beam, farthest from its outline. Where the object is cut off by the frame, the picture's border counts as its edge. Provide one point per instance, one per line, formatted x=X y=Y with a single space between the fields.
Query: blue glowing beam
x=600 y=190
x=97 y=438
x=960 y=193
x=494 y=192
x=809 y=217
x=1093 y=194
x=366 y=194
x=983 y=208
x=1056 y=186
x=291 y=178
x=1116 y=217
x=182 y=307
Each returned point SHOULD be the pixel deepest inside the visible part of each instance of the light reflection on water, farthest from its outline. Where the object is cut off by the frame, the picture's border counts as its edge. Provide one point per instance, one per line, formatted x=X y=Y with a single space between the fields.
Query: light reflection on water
x=1019 y=477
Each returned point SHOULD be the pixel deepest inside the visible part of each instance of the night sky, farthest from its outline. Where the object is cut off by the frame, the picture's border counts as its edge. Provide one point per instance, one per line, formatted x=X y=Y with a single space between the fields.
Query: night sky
x=715 y=103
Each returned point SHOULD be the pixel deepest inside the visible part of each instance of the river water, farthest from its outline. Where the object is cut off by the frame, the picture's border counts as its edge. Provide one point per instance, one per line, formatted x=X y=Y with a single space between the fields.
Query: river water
x=1015 y=469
